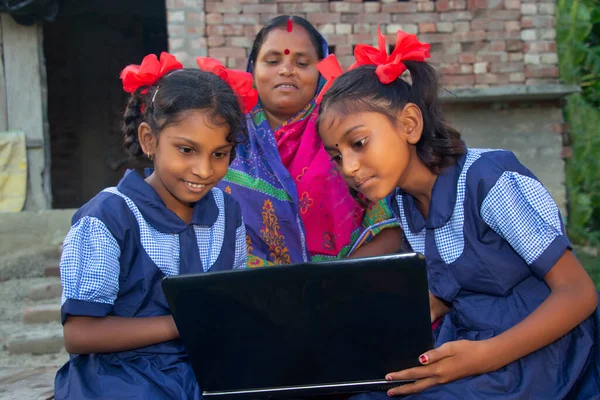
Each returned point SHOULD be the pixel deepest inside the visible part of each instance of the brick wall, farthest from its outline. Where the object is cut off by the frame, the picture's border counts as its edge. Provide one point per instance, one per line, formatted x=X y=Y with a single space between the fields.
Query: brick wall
x=474 y=42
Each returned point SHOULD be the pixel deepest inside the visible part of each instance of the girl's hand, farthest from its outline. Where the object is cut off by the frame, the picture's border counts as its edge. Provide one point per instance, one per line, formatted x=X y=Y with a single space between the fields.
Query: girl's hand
x=437 y=308
x=447 y=363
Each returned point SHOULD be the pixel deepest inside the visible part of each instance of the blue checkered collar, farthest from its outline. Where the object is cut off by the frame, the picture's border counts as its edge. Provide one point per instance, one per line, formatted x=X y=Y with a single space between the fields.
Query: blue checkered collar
x=443 y=199
x=154 y=210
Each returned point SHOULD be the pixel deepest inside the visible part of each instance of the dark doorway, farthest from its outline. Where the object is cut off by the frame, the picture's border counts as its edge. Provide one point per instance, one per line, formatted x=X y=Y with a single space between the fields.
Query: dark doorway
x=85 y=49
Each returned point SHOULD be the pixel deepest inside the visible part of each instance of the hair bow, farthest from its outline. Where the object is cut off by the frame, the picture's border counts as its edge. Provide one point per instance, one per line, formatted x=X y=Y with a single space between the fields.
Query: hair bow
x=408 y=48
x=240 y=81
x=330 y=68
x=149 y=72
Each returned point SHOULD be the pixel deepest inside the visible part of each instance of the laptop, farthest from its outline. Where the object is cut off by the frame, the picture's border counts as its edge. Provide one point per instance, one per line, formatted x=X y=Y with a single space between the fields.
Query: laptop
x=300 y=330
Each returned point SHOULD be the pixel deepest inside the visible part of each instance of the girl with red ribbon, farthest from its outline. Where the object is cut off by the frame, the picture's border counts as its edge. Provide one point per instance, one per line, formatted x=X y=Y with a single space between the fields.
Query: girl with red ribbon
x=117 y=323
x=520 y=320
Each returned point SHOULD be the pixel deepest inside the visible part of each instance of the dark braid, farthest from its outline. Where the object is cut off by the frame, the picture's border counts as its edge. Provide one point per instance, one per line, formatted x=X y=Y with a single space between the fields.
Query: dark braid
x=132 y=119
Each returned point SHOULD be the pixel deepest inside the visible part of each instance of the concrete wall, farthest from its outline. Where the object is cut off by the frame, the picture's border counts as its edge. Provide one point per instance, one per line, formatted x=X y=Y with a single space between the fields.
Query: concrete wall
x=532 y=130
x=22 y=103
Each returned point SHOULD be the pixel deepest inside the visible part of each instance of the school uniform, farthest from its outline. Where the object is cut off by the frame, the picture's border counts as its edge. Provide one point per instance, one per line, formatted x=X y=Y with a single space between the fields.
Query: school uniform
x=492 y=233
x=121 y=245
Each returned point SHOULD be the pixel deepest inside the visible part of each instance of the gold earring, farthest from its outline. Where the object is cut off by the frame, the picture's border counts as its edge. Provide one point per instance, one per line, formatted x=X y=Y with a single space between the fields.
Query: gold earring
x=150 y=156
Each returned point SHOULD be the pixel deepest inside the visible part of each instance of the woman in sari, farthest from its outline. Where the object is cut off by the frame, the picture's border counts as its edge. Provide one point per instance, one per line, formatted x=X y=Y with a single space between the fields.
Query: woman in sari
x=296 y=206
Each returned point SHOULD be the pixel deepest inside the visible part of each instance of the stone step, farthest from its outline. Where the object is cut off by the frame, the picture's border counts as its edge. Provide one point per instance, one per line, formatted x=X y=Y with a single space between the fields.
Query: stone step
x=47 y=341
x=42 y=313
x=18 y=383
x=46 y=291
x=52 y=271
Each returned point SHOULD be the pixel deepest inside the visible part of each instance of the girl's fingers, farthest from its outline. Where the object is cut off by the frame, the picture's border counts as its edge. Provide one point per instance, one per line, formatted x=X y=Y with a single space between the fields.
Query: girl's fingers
x=435 y=355
x=411 y=388
x=411 y=373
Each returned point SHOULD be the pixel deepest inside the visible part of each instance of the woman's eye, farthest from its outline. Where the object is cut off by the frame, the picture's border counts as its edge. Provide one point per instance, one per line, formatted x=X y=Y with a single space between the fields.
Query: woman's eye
x=359 y=144
x=271 y=62
x=302 y=64
x=337 y=158
x=186 y=150
x=221 y=154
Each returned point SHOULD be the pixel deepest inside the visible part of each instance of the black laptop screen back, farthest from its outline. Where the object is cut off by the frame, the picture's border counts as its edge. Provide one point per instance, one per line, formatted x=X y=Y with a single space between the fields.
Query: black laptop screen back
x=304 y=324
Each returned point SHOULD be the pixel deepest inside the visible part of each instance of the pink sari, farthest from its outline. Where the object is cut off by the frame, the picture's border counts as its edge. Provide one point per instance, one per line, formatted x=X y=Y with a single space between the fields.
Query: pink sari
x=328 y=211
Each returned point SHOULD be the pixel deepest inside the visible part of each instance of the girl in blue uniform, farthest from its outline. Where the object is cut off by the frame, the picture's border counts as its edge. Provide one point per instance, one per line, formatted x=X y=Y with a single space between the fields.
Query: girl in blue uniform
x=117 y=324
x=520 y=320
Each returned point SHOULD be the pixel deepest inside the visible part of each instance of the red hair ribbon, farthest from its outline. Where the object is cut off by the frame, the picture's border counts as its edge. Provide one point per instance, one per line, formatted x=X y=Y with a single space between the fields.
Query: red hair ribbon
x=408 y=48
x=240 y=81
x=149 y=72
x=330 y=68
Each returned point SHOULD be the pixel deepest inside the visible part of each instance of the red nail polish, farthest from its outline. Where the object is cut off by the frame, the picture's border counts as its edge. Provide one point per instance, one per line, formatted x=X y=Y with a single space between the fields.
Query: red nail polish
x=423 y=358
x=390 y=394
x=388 y=378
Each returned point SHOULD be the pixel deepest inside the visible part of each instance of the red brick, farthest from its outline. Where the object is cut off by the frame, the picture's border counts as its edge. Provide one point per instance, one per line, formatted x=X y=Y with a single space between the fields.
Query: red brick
x=503 y=35
x=366 y=38
x=458 y=4
x=377 y=18
x=507 y=67
x=498 y=46
x=449 y=69
x=216 y=40
x=539 y=47
x=338 y=39
x=540 y=21
x=241 y=19
x=371 y=7
x=495 y=25
x=214 y=18
x=251 y=30
x=473 y=36
x=424 y=6
x=226 y=52
x=240 y=41
x=236 y=62
x=458 y=80
x=232 y=8
x=259 y=8
x=477 y=4
x=227 y=30
x=402 y=7
x=505 y=15
x=292 y=8
x=492 y=57
x=534 y=71
x=342 y=6
x=415 y=18
x=426 y=27
x=442 y=5
x=480 y=24
x=195 y=30
x=195 y=17
x=514 y=45
x=435 y=37
x=324 y=18
x=343 y=50
x=512 y=4
x=457 y=16
x=466 y=58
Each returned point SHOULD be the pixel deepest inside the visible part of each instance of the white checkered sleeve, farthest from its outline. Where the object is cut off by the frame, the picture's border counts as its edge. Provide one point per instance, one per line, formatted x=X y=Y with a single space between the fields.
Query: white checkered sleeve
x=521 y=210
x=89 y=266
x=241 y=249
